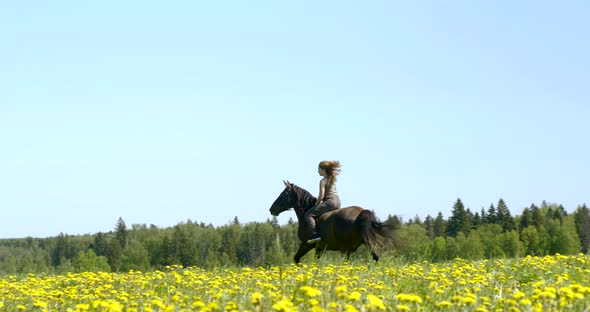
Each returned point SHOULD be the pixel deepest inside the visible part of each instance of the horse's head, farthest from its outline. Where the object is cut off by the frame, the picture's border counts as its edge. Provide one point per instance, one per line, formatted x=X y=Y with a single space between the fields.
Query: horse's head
x=286 y=200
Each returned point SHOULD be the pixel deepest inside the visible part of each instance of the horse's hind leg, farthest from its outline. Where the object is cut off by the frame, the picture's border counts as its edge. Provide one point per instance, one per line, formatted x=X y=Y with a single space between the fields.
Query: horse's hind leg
x=303 y=249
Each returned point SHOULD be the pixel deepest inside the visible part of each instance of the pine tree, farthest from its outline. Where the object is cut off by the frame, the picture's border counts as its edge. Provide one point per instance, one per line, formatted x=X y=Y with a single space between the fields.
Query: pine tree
x=439 y=225
x=559 y=213
x=115 y=253
x=491 y=219
x=503 y=216
x=537 y=216
x=121 y=233
x=526 y=219
x=582 y=221
x=459 y=220
x=61 y=251
x=101 y=244
x=395 y=220
x=476 y=220
x=184 y=250
x=483 y=216
x=429 y=226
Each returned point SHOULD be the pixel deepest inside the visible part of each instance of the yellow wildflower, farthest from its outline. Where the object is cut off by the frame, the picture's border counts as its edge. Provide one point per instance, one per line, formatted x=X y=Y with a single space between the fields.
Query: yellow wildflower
x=525 y=302
x=350 y=308
x=340 y=292
x=444 y=304
x=403 y=307
x=256 y=298
x=231 y=306
x=197 y=305
x=284 y=305
x=518 y=295
x=566 y=292
x=468 y=300
x=314 y=302
x=408 y=298
x=375 y=303
x=354 y=296
x=310 y=291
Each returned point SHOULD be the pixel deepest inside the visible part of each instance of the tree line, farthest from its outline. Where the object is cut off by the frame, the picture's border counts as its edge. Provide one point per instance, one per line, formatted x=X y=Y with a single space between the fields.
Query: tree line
x=486 y=234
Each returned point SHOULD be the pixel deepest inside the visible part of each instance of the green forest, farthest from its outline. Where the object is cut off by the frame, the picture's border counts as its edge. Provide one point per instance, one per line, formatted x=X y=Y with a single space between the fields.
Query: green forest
x=486 y=234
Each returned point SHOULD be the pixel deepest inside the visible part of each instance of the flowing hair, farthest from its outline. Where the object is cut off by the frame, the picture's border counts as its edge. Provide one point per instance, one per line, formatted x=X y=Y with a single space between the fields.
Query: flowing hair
x=332 y=168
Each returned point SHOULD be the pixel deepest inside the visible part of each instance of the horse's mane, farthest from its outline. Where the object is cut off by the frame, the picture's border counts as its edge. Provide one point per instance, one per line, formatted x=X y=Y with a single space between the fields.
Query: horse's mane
x=304 y=198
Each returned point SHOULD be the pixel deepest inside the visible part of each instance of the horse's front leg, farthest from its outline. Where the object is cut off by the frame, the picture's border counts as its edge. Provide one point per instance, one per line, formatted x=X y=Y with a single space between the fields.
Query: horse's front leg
x=319 y=250
x=303 y=249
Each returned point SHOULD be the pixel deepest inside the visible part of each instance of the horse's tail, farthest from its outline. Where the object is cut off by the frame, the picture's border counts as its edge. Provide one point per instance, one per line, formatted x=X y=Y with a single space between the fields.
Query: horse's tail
x=375 y=233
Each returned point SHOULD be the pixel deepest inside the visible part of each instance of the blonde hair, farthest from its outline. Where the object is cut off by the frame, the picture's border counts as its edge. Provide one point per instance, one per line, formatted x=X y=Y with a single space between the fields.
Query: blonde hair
x=332 y=168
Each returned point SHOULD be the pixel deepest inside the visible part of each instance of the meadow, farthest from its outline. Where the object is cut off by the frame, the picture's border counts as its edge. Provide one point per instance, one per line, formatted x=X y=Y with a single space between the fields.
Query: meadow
x=550 y=283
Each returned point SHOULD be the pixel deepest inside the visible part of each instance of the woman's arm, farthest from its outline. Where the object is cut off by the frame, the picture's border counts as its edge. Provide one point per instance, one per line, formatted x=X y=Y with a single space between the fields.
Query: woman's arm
x=322 y=189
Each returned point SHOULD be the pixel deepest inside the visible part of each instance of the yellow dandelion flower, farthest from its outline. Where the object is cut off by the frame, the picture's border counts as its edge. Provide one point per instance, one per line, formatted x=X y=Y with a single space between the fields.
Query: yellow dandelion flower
x=350 y=308
x=563 y=302
x=354 y=296
x=547 y=294
x=566 y=292
x=284 y=305
x=316 y=308
x=169 y=308
x=211 y=306
x=525 y=302
x=408 y=298
x=402 y=307
x=444 y=304
x=231 y=306
x=310 y=291
x=511 y=302
x=21 y=307
x=340 y=292
x=1 y=304
x=196 y=305
x=375 y=303
x=576 y=288
x=468 y=300
x=518 y=295
x=538 y=284
x=256 y=298
x=481 y=309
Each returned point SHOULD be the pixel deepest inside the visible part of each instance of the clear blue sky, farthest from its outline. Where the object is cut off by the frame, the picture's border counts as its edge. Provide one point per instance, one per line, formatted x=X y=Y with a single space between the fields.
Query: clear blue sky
x=160 y=112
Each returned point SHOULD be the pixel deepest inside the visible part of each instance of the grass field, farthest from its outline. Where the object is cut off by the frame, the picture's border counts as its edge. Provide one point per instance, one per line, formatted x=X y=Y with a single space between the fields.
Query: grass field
x=552 y=283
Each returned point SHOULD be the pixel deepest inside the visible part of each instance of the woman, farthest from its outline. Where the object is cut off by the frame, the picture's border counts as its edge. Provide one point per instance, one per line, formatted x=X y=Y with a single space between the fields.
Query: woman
x=328 y=199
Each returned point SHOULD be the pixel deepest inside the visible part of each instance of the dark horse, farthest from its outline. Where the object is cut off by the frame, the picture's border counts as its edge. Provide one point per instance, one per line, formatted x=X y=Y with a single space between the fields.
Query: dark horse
x=344 y=229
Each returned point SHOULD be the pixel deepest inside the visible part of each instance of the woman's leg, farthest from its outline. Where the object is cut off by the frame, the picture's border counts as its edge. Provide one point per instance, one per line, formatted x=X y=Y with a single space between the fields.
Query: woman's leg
x=313 y=213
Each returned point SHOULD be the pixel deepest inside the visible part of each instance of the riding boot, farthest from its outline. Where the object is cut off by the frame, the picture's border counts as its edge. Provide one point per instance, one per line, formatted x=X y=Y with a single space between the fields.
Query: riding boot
x=315 y=237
